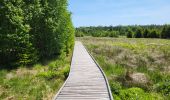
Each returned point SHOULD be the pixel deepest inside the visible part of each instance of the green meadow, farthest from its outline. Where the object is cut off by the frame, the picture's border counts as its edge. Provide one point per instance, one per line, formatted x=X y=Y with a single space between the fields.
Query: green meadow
x=37 y=82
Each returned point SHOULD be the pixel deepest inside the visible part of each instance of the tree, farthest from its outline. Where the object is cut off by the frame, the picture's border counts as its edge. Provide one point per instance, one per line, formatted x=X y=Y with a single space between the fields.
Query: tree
x=34 y=30
x=165 y=32
x=146 y=33
x=16 y=47
x=153 y=34
x=113 y=34
x=129 y=33
x=138 y=33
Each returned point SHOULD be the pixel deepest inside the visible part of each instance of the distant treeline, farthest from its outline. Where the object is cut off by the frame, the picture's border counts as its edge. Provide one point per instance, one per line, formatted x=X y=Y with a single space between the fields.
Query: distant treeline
x=33 y=30
x=134 y=31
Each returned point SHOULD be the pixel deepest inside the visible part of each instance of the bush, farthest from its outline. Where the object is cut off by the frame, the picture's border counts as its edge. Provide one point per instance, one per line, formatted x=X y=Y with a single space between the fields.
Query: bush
x=115 y=87
x=138 y=33
x=138 y=94
x=79 y=34
x=66 y=71
x=132 y=93
x=113 y=34
x=145 y=34
x=129 y=34
x=163 y=87
x=165 y=32
x=153 y=34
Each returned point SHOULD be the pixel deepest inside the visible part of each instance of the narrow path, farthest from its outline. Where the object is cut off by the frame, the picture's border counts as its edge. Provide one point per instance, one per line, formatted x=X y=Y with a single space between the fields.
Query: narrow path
x=86 y=80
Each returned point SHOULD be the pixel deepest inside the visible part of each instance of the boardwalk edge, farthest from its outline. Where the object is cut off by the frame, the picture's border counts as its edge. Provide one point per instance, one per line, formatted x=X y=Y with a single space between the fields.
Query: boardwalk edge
x=55 y=97
x=107 y=82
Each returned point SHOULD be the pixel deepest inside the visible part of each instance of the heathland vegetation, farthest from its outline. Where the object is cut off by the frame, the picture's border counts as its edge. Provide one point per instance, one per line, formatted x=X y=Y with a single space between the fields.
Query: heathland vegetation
x=36 y=41
x=137 y=69
x=36 y=82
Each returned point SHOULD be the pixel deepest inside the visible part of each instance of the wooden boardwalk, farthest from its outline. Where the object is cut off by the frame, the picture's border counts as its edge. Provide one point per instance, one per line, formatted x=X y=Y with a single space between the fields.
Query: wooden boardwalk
x=86 y=80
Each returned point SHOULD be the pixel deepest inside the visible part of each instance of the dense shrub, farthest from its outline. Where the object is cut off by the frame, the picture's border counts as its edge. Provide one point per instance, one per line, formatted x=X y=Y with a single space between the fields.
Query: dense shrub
x=145 y=33
x=98 y=33
x=79 y=34
x=137 y=94
x=138 y=33
x=115 y=87
x=34 y=30
x=131 y=93
x=165 y=32
x=66 y=71
x=153 y=34
x=163 y=87
x=129 y=33
x=113 y=34
x=16 y=47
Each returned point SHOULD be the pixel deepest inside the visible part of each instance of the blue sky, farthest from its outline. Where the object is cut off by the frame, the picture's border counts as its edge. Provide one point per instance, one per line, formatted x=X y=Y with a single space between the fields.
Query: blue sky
x=119 y=12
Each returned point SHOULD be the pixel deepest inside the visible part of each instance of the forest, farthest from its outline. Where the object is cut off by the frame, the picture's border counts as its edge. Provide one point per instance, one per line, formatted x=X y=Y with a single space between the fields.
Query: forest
x=131 y=31
x=31 y=31
x=36 y=42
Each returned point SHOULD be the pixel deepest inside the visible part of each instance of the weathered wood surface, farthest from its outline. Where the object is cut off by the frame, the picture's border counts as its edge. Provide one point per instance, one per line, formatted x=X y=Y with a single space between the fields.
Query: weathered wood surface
x=85 y=81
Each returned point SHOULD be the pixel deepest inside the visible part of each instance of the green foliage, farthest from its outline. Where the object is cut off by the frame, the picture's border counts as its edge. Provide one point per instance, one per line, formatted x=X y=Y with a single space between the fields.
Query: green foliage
x=96 y=32
x=49 y=75
x=137 y=94
x=34 y=30
x=66 y=71
x=56 y=69
x=131 y=93
x=79 y=34
x=138 y=33
x=153 y=34
x=115 y=87
x=16 y=47
x=145 y=34
x=163 y=87
x=133 y=31
x=23 y=86
x=36 y=83
x=129 y=33
x=113 y=34
x=165 y=32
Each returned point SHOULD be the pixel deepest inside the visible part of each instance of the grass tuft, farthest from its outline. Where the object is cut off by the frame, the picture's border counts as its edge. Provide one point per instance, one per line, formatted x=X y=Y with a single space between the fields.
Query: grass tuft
x=136 y=68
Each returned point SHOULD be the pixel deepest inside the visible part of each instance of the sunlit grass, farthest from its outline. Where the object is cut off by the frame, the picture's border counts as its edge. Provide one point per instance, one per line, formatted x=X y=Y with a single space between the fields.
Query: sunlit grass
x=41 y=81
x=120 y=58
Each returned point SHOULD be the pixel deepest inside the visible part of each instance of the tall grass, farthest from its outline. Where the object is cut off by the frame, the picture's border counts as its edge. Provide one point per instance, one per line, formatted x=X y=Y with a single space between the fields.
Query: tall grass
x=38 y=82
x=122 y=57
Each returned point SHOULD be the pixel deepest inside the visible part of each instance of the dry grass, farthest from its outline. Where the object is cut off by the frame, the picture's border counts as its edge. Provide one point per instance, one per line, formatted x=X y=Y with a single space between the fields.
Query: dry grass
x=147 y=61
x=38 y=82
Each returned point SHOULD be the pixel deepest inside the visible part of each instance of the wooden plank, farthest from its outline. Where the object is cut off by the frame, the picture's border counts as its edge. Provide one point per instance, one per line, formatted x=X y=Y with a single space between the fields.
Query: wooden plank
x=85 y=81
